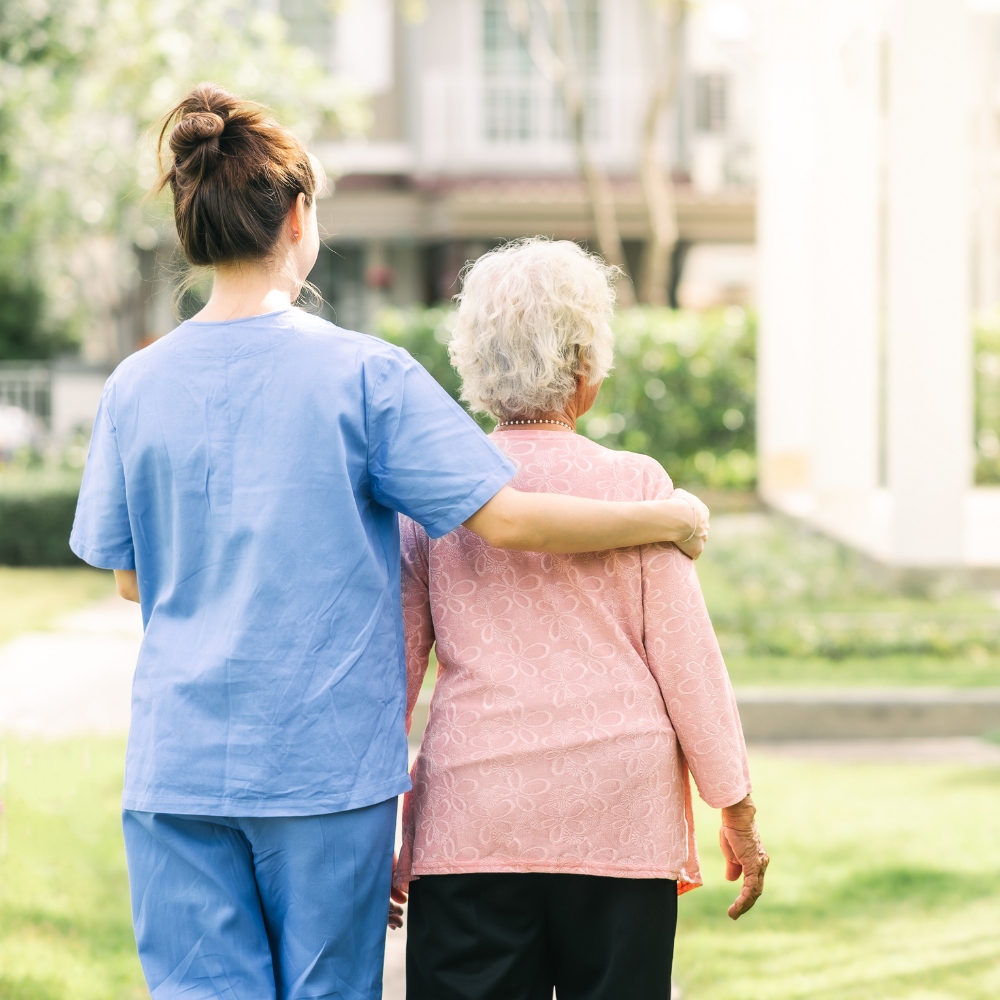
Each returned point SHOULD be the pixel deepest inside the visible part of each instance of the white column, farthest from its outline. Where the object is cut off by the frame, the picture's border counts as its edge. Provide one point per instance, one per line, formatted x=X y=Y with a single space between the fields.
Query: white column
x=788 y=156
x=929 y=336
x=846 y=310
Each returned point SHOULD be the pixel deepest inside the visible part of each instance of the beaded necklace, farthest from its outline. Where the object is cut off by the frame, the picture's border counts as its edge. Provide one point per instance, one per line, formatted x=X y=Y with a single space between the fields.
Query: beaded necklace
x=518 y=423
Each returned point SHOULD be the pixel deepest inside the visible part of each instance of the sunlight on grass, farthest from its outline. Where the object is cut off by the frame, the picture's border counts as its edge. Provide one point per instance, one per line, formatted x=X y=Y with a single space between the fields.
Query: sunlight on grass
x=884 y=885
x=32 y=599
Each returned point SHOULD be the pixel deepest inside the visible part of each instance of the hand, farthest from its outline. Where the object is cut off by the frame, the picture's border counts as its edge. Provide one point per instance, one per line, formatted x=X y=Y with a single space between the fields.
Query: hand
x=698 y=519
x=744 y=854
x=396 y=899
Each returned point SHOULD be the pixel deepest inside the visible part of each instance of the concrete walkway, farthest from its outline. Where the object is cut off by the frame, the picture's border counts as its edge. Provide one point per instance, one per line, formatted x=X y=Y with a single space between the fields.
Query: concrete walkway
x=77 y=679
x=74 y=679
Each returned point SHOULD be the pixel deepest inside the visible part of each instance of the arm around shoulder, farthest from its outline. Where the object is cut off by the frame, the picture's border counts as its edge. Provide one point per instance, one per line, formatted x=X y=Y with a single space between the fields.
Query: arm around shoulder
x=550 y=522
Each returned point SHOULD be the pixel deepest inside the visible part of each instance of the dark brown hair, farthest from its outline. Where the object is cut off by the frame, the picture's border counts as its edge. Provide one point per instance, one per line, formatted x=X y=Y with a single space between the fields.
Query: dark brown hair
x=235 y=173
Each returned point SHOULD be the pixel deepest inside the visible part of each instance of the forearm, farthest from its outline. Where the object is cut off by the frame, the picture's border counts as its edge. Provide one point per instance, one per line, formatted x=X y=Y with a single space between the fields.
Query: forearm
x=547 y=522
x=128 y=584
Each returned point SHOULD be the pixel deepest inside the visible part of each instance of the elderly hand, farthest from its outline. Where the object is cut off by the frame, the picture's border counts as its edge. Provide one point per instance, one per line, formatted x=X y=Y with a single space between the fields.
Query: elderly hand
x=744 y=854
x=694 y=546
x=396 y=899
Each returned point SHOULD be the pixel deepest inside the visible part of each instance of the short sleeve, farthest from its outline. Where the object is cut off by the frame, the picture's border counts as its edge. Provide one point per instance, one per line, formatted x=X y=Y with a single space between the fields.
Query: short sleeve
x=427 y=458
x=102 y=535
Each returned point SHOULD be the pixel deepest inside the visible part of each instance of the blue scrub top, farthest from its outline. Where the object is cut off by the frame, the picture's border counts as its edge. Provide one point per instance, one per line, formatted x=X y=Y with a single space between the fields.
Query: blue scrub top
x=250 y=472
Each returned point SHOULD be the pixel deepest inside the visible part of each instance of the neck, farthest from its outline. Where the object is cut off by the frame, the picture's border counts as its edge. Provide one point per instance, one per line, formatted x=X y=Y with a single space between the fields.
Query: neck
x=249 y=290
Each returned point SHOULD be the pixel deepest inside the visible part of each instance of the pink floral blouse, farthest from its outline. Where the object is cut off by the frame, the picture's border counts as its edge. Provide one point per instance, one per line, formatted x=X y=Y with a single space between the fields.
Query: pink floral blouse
x=573 y=694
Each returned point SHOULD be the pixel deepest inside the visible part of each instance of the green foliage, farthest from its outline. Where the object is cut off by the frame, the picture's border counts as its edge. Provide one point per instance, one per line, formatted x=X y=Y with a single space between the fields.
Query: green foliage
x=36 y=516
x=26 y=333
x=682 y=389
x=987 y=360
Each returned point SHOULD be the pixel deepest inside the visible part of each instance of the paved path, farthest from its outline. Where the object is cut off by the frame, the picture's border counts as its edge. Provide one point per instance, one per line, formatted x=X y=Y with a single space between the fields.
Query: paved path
x=932 y=750
x=77 y=679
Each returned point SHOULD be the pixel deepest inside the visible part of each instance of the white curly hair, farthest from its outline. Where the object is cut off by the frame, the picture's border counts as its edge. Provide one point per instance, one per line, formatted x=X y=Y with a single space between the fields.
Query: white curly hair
x=533 y=315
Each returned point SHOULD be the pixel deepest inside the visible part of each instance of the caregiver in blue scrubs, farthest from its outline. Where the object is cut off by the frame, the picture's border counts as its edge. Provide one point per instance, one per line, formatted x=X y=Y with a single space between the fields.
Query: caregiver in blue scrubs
x=243 y=482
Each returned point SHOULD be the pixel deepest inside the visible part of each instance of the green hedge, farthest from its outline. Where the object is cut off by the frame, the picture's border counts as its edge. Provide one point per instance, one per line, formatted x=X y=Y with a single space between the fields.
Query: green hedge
x=36 y=516
x=682 y=389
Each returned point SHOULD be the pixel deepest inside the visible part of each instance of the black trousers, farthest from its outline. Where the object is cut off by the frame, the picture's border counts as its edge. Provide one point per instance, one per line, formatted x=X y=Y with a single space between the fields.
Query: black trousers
x=516 y=936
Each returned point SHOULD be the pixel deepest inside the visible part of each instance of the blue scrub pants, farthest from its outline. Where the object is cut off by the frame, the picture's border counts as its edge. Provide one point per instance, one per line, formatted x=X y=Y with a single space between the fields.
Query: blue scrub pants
x=277 y=908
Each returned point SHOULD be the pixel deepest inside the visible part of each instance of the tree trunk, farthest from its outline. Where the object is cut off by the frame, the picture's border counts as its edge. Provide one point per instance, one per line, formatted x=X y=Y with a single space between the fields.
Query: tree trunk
x=657 y=187
x=556 y=61
x=602 y=207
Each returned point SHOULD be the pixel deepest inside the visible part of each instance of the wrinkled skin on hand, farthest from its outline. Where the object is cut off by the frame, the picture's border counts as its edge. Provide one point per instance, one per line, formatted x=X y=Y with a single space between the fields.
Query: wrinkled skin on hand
x=745 y=855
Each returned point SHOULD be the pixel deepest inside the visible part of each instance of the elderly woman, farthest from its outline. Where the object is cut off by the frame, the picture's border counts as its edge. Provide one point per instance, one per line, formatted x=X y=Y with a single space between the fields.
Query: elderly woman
x=549 y=830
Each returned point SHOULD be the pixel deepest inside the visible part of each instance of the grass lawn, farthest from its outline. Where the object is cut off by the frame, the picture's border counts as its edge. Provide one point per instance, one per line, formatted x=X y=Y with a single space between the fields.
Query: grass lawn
x=65 y=927
x=31 y=599
x=884 y=885
x=858 y=671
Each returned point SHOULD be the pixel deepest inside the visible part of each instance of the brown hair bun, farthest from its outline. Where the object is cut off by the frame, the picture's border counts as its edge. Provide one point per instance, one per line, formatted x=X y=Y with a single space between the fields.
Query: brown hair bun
x=194 y=141
x=234 y=172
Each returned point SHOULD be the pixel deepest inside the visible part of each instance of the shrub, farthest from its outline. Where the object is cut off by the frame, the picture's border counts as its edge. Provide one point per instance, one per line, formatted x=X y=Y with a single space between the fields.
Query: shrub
x=36 y=516
x=682 y=389
x=25 y=334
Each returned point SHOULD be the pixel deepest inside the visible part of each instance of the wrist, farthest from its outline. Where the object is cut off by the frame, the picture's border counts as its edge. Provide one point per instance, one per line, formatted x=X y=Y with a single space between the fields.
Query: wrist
x=740 y=815
x=680 y=522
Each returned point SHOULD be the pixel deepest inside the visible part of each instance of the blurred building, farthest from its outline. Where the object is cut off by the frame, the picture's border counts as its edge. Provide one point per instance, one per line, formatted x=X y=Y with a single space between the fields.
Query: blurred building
x=836 y=162
x=470 y=145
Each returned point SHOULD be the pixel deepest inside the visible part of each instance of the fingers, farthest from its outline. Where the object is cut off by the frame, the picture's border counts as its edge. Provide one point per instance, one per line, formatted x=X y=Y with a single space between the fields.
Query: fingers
x=744 y=854
x=702 y=513
x=695 y=545
x=753 y=886
x=395 y=916
x=733 y=867
x=399 y=895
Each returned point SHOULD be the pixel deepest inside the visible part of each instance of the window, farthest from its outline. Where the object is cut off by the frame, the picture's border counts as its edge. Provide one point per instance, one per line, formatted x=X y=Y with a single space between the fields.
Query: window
x=519 y=104
x=711 y=100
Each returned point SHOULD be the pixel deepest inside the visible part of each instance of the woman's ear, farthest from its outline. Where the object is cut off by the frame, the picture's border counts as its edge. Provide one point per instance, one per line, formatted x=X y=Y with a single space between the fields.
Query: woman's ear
x=586 y=393
x=297 y=218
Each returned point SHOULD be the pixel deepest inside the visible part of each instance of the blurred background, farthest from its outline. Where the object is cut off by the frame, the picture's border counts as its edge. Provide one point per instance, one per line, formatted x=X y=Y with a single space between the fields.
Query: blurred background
x=804 y=196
